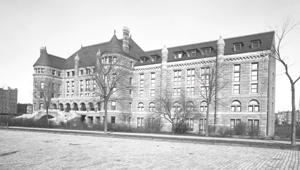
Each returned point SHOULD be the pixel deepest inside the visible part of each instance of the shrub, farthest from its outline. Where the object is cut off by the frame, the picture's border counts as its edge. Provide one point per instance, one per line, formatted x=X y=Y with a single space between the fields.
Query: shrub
x=284 y=131
x=180 y=127
x=223 y=131
x=240 y=129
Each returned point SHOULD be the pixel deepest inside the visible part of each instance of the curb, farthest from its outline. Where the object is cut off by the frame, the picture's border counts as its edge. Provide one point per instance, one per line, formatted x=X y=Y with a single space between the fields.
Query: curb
x=194 y=139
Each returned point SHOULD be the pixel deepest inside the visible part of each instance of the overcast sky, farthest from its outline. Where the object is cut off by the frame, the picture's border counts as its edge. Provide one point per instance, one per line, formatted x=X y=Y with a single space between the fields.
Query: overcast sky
x=64 y=25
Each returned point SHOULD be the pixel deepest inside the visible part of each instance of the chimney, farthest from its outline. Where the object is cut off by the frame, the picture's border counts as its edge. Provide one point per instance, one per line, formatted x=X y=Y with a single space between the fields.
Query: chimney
x=43 y=50
x=126 y=34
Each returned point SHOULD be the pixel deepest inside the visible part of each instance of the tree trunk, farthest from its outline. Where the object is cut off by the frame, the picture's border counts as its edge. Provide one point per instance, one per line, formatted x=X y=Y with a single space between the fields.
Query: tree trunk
x=293 y=135
x=47 y=116
x=105 y=115
x=207 y=120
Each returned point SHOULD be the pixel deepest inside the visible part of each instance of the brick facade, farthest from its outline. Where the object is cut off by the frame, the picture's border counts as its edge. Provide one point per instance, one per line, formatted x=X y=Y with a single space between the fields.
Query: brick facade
x=153 y=72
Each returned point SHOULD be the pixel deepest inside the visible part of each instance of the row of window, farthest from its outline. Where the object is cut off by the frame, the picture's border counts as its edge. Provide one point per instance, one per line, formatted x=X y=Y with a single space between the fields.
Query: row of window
x=253 y=106
x=86 y=71
x=237 y=78
x=42 y=70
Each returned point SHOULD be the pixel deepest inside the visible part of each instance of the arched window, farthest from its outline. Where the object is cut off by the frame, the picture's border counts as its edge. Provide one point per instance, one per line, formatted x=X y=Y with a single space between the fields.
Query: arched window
x=203 y=106
x=151 y=107
x=236 y=106
x=91 y=106
x=253 y=106
x=61 y=107
x=176 y=106
x=141 y=106
x=75 y=106
x=82 y=107
x=189 y=106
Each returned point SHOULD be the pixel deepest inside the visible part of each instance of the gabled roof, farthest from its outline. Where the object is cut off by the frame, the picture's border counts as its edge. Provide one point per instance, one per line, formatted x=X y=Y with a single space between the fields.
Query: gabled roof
x=265 y=38
x=87 y=55
x=50 y=60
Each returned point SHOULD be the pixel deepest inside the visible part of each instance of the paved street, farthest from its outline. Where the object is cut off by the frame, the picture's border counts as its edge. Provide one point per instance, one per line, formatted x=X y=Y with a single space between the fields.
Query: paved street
x=38 y=150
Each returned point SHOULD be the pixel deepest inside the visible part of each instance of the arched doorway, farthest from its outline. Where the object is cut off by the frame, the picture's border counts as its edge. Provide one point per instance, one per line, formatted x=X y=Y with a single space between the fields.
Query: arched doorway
x=61 y=107
x=82 y=107
x=75 y=106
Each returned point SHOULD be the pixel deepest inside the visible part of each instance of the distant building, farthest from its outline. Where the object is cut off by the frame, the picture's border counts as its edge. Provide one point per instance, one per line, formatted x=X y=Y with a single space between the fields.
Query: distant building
x=24 y=108
x=285 y=117
x=8 y=101
x=247 y=62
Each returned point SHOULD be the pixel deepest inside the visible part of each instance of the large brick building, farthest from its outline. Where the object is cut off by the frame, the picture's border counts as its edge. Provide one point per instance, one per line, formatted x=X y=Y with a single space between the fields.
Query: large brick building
x=8 y=101
x=248 y=78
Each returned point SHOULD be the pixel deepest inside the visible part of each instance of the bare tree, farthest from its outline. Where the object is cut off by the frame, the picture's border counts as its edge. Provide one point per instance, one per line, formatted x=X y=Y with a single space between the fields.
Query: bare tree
x=48 y=89
x=281 y=35
x=110 y=77
x=209 y=80
x=174 y=109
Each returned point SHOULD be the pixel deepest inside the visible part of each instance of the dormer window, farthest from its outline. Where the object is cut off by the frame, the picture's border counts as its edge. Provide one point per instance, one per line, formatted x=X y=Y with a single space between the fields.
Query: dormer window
x=154 y=58
x=178 y=55
x=193 y=53
x=237 y=46
x=207 y=50
x=143 y=59
x=255 y=44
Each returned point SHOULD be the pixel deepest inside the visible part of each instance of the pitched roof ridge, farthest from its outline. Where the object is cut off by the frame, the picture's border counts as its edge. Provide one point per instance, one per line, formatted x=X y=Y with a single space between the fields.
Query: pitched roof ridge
x=211 y=41
x=249 y=35
x=56 y=56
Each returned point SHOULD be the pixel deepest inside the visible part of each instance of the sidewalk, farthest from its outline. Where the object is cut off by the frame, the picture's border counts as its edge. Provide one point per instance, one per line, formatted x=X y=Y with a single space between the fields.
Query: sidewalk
x=197 y=139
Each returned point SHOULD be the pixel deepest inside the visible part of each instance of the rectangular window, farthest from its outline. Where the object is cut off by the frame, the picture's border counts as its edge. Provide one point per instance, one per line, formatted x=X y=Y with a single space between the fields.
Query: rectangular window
x=236 y=78
x=142 y=80
x=81 y=86
x=53 y=72
x=193 y=53
x=254 y=87
x=254 y=71
x=130 y=81
x=176 y=91
x=152 y=92
x=81 y=72
x=68 y=74
x=202 y=124
x=113 y=119
x=236 y=89
x=255 y=44
x=113 y=105
x=190 y=91
x=58 y=73
x=190 y=123
x=140 y=122
x=88 y=71
x=68 y=86
x=152 y=80
x=191 y=77
x=177 y=77
x=87 y=84
x=205 y=76
x=141 y=92
x=73 y=73
x=207 y=50
x=237 y=46
x=73 y=86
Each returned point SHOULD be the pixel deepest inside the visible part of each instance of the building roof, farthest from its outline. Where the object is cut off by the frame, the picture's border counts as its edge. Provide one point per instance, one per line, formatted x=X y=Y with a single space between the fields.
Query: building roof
x=50 y=60
x=87 y=55
x=266 y=40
